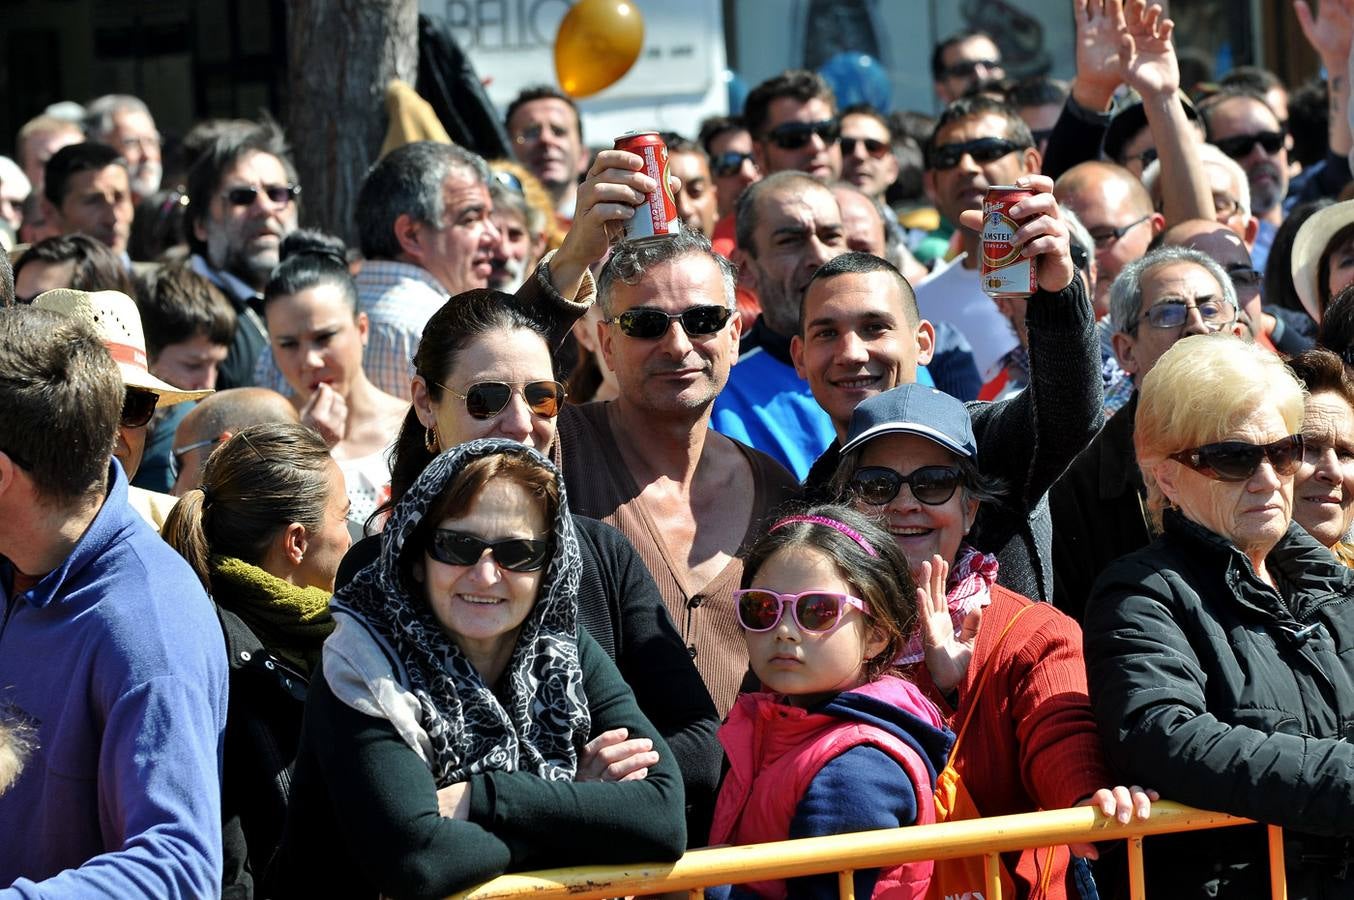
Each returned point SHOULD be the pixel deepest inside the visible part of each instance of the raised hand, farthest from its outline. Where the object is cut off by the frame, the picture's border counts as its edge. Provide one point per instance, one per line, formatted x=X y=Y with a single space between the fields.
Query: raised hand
x=1146 y=55
x=1099 y=24
x=947 y=655
x=1329 y=31
x=327 y=412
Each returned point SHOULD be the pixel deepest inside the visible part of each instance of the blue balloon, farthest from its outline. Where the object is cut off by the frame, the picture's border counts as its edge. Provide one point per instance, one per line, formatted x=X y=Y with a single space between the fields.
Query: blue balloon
x=738 y=91
x=858 y=78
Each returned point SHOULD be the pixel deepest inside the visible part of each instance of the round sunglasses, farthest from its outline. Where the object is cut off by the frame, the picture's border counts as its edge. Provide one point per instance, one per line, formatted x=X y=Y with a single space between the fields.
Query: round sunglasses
x=932 y=485
x=814 y=611
x=456 y=548
x=1238 y=460
x=650 y=324
x=486 y=399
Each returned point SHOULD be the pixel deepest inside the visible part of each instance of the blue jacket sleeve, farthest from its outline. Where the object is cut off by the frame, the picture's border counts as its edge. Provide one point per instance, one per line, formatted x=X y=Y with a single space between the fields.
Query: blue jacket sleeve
x=833 y=804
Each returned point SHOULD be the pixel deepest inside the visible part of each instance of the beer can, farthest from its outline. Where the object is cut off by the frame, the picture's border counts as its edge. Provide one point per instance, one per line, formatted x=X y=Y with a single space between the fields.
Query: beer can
x=656 y=217
x=1004 y=272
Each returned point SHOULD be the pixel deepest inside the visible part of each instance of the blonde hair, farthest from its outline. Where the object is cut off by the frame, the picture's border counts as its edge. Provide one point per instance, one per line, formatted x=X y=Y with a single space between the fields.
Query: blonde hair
x=1199 y=391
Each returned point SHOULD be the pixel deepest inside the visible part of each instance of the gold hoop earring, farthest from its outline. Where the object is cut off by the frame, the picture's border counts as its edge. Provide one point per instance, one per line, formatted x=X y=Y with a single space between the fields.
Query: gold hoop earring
x=430 y=439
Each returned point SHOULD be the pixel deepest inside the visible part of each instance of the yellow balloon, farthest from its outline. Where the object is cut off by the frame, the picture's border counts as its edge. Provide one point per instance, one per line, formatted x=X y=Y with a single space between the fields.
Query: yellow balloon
x=597 y=43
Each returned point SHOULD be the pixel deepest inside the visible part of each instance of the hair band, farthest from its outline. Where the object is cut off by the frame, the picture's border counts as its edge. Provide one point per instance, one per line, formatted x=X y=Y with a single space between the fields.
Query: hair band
x=841 y=527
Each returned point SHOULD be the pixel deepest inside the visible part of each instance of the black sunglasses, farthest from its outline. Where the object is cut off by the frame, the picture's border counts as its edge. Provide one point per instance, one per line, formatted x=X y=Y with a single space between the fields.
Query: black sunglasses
x=277 y=194
x=969 y=67
x=874 y=148
x=515 y=554
x=983 y=150
x=138 y=406
x=1238 y=146
x=651 y=324
x=486 y=399
x=1238 y=460
x=793 y=135
x=726 y=164
x=1103 y=237
x=932 y=485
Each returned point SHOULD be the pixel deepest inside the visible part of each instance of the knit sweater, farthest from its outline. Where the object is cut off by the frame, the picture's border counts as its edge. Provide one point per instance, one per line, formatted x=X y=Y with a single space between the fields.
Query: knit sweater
x=1028 y=440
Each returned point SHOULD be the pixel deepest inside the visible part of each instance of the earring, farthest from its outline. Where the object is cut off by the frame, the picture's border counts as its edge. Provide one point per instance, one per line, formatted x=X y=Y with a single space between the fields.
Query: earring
x=430 y=439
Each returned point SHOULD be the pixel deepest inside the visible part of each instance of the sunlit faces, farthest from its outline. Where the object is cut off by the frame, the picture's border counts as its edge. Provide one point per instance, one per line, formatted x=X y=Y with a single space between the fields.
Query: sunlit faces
x=1183 y=282
x=482 y=606
x=964 y=186
x=869 y=162
x=965 y=63
x=1252 y=514
x=244 y=240
x=1237 y=118
x=733 y=168
x=1106 y=203
x=546 y=140
x=920 y=530
x=325 y=546
x=809 y=667
x=697 y=204
x=39 y=146
x=98 y=203
x=316 y=340
x=513 y=252
x=191 y=364
x=798 y=230
x=818 y=157
x=857 y=341
x=514 y=356
x=677 y=373
x=1323 y=490
x=863 y=224
x=135 y=136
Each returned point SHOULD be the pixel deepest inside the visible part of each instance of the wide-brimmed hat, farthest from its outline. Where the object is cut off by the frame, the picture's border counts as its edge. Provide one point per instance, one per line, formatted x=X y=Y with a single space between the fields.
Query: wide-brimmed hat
x=1310 y=245
x=914 y=409
x=114 y=317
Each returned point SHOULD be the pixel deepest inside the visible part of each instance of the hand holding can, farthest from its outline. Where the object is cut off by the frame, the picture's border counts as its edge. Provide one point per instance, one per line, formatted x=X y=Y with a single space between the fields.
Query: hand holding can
x=1039 y=235
x=656 y=217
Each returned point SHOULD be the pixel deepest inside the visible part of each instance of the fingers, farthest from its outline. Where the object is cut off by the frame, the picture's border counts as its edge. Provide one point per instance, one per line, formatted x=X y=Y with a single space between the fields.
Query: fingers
x=968 y=631
x=615 y=159
x=1084 y=851
x=611 y=757
x=1305 y=19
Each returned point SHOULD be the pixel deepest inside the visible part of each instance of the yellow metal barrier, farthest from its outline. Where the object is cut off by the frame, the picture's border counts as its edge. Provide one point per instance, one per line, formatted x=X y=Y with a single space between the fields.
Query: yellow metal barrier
x=872 y=849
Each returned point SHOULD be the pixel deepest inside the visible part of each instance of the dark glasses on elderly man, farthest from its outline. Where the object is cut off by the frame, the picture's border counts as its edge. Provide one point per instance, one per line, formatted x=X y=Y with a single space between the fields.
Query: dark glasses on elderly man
x=486 y=399
x=932 y=485
x=650 y=324
x=722 y=165
x=794 y=135
x=816 y=611
x=138 y=406
x=456 y=548
x=983 y=150
x=1238 y=460
x=1239 y=146
x=277 y=194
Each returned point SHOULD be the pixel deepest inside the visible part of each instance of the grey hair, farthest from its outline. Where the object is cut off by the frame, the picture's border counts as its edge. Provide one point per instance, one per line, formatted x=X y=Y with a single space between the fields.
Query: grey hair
x=508 y=200
x=1126 y=292
x=99 y=113
x=408 y=181
x=1209 y=155
x=631 y=260
x=975 y=483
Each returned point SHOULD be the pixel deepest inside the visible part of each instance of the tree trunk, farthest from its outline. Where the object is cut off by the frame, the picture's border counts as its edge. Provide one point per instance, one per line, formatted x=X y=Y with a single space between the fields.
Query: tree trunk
x=340 y=55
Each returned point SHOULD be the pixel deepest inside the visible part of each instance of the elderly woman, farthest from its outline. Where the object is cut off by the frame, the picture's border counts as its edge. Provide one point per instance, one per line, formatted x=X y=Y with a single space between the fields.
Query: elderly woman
x=1323 y=489
x=909 y=457
x=452 y=736
x=1221 y=656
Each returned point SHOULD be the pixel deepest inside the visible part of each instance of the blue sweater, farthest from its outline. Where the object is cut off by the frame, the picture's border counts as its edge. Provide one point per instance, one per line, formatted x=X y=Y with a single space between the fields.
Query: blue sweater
x=117 y=660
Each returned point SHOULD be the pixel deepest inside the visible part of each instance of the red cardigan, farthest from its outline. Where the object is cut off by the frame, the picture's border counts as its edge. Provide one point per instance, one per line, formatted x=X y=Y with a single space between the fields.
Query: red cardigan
x=1032 y=743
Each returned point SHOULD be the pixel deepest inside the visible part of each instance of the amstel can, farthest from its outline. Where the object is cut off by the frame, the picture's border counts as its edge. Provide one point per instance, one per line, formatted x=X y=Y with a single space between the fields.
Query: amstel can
x=656 y=217
x=1004 y=272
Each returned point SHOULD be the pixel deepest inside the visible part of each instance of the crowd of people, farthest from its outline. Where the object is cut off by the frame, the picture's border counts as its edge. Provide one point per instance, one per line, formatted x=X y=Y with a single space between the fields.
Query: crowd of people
x=498 y=542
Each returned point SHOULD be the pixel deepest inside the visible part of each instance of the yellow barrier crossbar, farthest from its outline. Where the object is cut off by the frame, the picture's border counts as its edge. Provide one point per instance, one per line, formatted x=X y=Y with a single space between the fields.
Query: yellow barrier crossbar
x=846 y=852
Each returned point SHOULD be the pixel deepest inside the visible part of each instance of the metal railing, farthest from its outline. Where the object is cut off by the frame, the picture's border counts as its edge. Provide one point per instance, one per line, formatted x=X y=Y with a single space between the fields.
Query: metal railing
x=845 y=853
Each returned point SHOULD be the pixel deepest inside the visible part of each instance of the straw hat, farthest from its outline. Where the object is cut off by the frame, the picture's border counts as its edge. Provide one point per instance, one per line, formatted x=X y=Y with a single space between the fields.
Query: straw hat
x=1310 y=244
x=116 y=320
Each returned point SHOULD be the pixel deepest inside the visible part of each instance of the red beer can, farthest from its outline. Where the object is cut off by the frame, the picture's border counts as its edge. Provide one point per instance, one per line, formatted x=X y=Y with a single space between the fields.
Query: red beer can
x=1004 y=272
x=656 y=217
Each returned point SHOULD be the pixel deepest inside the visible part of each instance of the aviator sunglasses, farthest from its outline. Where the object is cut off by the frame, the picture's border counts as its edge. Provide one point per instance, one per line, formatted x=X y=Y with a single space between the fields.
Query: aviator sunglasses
x=983 y=150
x=1238 y=460
x=486 y=399
x=815 y=611
x=932 y=485
x=651 y=324
x=794 y=135
x=277 y=194
x=456 y=548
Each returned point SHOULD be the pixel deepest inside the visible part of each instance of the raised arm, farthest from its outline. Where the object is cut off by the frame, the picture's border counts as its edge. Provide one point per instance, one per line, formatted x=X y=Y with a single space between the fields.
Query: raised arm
x=1085 y=117
x=1329 y=32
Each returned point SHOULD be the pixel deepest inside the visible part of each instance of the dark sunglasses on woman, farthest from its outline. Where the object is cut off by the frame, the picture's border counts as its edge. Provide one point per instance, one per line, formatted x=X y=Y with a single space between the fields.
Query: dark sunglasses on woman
x=816 y=611
x=486 y=399
x=794 y=135
x=456 y=548
x=932 y=485
x=650 y=324
x=1238 y=460
x=138 y=406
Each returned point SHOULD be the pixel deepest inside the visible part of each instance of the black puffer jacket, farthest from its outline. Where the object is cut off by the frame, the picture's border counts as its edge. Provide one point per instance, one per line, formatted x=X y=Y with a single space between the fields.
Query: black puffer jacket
x=1223 y=693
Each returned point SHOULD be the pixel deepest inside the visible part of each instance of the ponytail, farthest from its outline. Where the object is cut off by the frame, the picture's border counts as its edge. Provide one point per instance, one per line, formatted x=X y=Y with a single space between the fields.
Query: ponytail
x=183 y=531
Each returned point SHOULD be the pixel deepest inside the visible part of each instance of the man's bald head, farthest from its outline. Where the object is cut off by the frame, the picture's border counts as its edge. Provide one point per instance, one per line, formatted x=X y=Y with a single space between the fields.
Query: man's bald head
x=1117 y=212
x=1085 y=181
x=215 y=419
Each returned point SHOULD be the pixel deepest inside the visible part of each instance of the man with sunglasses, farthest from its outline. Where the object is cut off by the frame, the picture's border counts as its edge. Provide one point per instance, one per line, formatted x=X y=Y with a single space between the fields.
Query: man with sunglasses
x=793 y=121
x=867 y=151
x=962 y=61
x=110 y=654
x=1097 y=505
x=243 y=194
x=728 y=145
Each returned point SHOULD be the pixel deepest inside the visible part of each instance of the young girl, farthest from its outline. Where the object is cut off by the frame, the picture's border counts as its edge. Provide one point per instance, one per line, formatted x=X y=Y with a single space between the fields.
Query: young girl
x=836 y=742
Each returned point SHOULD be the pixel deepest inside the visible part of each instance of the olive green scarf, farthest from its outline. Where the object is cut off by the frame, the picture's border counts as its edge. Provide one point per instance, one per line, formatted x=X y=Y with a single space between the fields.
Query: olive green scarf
x=290 y=621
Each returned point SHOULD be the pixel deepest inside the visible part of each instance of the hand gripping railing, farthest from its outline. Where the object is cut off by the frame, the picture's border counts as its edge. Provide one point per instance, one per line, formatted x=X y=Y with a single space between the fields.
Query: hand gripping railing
x=844 y=853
